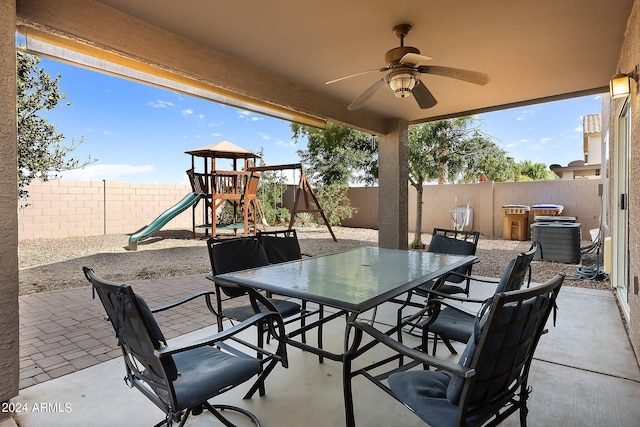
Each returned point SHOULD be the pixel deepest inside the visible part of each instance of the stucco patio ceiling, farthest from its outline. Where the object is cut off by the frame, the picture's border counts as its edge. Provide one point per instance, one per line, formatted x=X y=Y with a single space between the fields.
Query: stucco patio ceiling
x=532 y=51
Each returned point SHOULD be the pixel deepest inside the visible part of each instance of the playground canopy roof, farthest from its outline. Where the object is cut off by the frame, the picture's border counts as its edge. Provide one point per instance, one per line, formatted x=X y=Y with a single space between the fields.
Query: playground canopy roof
x=223 y=150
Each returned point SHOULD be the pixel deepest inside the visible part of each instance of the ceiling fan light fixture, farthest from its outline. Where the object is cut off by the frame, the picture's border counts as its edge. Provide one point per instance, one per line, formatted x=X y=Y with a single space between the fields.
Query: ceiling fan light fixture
x=401 y=83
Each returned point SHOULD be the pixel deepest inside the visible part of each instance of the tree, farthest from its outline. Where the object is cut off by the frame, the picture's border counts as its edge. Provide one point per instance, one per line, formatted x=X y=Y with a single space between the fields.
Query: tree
x=534 y=171
x=445 y=150
x=489 y=160
x=40 y=150
x=337 y=154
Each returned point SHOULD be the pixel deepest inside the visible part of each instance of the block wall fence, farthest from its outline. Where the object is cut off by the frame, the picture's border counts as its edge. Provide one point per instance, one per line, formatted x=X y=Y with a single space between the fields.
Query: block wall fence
x=580 y=199
x=64 y=208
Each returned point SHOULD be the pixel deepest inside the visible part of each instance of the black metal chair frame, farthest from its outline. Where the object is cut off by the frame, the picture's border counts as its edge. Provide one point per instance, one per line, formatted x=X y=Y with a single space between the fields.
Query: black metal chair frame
x=149 y=358
x=461 y=274
x=438 y=307
x=283 y=246
x=300 y=315
x=231 y=293
x=278 y=257
x=474 y=372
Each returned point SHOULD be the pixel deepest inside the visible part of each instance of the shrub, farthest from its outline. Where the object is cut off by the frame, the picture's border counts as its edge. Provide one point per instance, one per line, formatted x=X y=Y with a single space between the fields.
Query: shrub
x=335 y=204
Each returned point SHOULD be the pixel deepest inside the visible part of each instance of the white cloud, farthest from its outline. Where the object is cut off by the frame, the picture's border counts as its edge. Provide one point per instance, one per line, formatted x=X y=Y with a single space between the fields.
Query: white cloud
x=282 y=143
x=264 y=136
x=200 y=116
x=187 y=112
x=522 y=115
x=545 y=140
x=161 y=104
x=108 y=172
x=249 y=116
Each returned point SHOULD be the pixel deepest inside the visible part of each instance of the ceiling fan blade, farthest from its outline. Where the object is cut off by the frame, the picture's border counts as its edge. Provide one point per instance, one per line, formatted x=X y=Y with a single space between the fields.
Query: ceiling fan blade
x=357 y=74
x=359 y=101
x=415 y=59
x=423 y=96
x=474 y=77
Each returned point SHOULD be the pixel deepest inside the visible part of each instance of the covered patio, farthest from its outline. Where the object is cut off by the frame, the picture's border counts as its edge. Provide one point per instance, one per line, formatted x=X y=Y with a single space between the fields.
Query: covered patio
x=584 y=372
x=276 y=58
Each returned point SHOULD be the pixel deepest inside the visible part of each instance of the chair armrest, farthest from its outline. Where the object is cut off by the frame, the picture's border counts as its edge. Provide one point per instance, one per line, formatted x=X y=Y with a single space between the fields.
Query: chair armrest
x=416 y=355
x=453 y=297
x=431 y=311
x=457 y=308
x=217 y=337
x=180 y=301
x=474 y=278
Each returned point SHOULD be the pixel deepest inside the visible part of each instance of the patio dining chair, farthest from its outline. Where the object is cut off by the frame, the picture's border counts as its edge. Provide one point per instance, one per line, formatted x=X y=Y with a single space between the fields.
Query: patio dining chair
x=236 y=254
x=181 y=376
x=444 y=241
x=448 y=322
x=490 y=380
x=280 y=245
x=453 y=242
x=283 y=246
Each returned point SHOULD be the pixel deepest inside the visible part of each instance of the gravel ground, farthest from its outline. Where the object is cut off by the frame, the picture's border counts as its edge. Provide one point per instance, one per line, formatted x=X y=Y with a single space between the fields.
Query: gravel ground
x=50 y=264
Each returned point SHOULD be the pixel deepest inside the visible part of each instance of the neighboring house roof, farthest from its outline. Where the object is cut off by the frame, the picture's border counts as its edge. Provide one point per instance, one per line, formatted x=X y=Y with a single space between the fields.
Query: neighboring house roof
x=591 y=124
x=591 y=128
x=579 y=169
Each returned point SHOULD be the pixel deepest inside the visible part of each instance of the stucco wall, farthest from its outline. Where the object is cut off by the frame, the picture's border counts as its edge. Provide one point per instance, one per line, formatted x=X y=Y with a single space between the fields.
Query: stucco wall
x=9 y=345
x=630 y=58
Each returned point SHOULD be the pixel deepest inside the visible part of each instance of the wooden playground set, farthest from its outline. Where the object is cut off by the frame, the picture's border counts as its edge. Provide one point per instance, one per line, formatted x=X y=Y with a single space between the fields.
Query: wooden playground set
x=237 y=187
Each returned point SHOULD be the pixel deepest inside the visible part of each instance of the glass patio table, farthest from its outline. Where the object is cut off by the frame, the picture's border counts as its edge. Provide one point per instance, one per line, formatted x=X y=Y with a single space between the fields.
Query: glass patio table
x=352 y=282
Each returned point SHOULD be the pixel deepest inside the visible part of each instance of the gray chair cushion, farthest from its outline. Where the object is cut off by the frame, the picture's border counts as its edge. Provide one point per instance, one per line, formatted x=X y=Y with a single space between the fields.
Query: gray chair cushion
x=154 y=328
x=454 y=390
x=504 y=283
x=241 y=313
x=206 y=372
x=425 y=393
x=509 y=314
x=142 y=327
x=452 y=324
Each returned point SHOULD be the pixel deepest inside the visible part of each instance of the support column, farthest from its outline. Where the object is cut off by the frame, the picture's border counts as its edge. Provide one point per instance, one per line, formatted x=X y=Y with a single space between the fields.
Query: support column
x=393 y=182
x=9 y=322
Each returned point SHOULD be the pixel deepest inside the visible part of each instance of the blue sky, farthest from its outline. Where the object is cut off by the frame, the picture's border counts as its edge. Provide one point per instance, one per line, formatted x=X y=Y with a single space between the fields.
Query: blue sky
x=139 y=133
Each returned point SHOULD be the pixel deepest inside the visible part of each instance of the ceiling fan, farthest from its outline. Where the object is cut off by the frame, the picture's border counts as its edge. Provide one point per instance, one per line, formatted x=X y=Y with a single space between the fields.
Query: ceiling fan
x=405 y=64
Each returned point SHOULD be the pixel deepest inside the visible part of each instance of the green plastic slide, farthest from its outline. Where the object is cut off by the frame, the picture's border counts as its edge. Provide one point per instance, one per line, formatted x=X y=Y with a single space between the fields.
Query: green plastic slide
x=175 y=210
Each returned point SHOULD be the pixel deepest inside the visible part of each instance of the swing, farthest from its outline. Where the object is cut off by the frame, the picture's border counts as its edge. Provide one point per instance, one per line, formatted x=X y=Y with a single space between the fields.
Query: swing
x=303 y=189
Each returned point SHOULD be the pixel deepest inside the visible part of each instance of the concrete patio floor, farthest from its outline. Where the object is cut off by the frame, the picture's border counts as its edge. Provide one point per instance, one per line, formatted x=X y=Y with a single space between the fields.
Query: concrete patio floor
x=584 y=372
